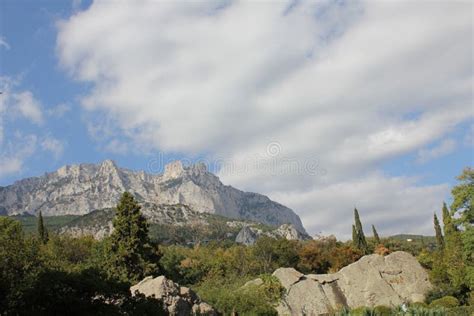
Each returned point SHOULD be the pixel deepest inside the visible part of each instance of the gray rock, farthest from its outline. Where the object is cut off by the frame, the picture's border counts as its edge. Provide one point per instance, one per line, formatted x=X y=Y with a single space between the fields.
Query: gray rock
x=80 y=189
x=246 y=236
x=178 y=301
x=373 y=280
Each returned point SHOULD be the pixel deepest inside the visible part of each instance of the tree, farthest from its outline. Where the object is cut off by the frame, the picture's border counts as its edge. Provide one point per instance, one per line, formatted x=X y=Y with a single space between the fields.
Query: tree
x=449 y=226
x=463 y=198
x=361 y=242
x=376 y=236
x=463 y=207
x=132 y=254
x=439 y=234
x=42 y=231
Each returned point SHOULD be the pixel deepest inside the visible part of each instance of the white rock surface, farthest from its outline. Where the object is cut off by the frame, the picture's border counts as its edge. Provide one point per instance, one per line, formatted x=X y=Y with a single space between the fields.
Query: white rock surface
x=373 y=280
x=179 y=301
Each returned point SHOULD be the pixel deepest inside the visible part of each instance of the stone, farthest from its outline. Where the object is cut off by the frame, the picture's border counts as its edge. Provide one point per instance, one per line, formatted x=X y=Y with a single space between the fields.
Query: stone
x=371 y=281
x=246 y=236
x=177 y=301
x=287 y=276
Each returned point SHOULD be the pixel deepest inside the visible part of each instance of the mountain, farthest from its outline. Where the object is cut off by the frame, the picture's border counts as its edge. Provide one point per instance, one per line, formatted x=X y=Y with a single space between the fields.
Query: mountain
x=81 y=189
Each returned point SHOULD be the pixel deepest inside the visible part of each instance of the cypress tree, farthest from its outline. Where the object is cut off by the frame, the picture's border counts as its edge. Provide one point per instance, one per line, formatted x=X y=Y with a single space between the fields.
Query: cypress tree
x=449 y=226
x=355 y=237
x=439 y=234
x=132 y=254
x=376 y=236
x=360 y=233
x=42 y=232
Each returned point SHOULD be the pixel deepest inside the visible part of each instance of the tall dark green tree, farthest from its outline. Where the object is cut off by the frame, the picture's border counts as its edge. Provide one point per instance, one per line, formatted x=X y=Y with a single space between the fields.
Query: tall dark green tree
x=361 y=242
x=133 y=256
x=439 y=233
x=355 y=237
x=42 y=231
x=376 y=235
x=448 y=224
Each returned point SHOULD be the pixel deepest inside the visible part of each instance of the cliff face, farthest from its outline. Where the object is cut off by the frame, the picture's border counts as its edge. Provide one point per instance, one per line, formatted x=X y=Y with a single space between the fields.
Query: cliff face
x=80 y=189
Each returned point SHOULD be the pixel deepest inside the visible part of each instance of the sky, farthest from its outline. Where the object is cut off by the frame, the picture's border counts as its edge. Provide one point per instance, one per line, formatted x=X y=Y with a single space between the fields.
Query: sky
x=323 y=106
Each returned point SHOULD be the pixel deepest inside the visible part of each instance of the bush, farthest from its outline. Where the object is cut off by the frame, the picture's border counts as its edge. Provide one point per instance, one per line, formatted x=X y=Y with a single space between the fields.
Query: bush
x=383 y=311
x=228 y=295
x=446 y=301
x=461 y=311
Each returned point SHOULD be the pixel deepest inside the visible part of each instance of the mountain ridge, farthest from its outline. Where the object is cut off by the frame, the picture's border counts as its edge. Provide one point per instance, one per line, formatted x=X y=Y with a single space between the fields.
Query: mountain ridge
x=81 y=188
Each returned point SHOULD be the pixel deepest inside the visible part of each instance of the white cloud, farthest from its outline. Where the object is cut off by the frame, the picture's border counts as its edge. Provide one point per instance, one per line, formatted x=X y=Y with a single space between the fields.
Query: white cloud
x=3 y=43
x=15 y=151
x=446 y=147
x=28 y=106
x=53 y=145
x=59 y=110
x=336 y=83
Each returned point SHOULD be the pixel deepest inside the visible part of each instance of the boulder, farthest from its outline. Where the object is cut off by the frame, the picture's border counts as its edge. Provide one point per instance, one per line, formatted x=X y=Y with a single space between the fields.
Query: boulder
x=177 y=300
x=373 y=280
x=246 y=236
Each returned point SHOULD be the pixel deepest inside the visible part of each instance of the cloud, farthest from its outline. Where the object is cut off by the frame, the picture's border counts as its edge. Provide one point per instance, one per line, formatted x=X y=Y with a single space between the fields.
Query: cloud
x=28 y=106
x=344 y=86
x=17 y=146
x=59 y=110
x=15 y=151
x=3 y=43
x=446 y=147
x=394 y=205
x=53 y=145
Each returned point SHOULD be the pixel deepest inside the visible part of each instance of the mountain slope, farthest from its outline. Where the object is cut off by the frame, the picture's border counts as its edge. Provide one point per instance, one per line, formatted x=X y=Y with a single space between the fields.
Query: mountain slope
x=80 y=189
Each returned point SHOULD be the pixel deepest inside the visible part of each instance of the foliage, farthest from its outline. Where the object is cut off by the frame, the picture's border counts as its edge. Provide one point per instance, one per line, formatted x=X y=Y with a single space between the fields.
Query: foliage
x=326 y=255
x=229 y=295
x=358 y=237
x=133 y=256
x=376 y=235
x=42 y=231
x=439 y=234
x=446 y=301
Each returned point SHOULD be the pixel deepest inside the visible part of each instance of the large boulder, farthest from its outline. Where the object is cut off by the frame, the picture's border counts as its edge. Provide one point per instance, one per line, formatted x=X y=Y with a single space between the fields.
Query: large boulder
x=373 y=280
x=177 y=300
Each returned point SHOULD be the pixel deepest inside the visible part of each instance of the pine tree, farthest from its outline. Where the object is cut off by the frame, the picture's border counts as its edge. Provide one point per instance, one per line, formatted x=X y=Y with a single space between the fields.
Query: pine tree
x=42 y=231
x=132 y=254
x=362 y=242
x=439 y=234
x=376 y=236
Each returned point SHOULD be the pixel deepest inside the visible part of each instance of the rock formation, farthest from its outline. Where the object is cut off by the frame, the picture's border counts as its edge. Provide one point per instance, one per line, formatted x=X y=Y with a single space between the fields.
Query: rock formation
x=80 y=189
x=373 y=280
x=177 y=300
x=248 y=235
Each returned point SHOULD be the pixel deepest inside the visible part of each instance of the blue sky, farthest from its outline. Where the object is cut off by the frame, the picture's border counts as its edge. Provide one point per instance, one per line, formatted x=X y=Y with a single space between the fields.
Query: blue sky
x=388 y=121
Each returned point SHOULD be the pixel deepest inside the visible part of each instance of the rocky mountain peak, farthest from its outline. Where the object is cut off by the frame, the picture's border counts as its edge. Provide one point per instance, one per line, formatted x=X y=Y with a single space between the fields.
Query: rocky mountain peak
x=173 y=170
x=81 y=189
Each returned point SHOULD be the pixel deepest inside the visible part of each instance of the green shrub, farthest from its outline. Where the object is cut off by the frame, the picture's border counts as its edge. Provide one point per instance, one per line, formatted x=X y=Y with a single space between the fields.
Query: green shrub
x=446 y=301
x=362 y=311
x=461 y=311
x=418 y=305
x=382 y=311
